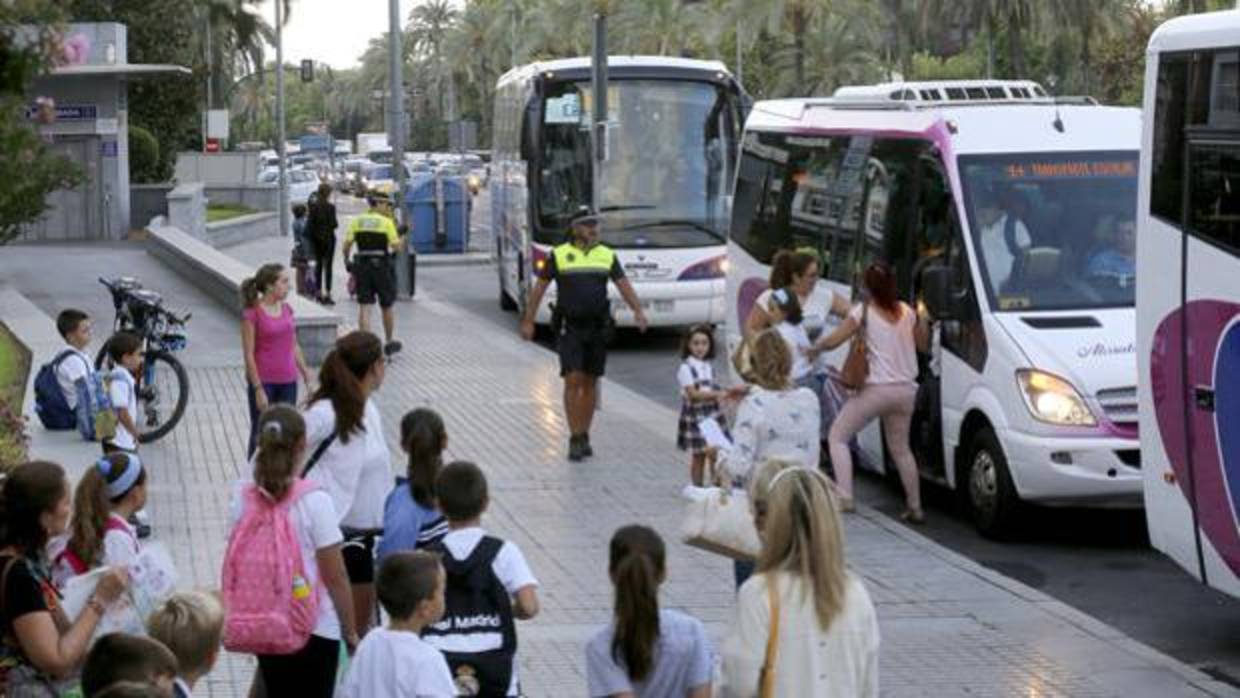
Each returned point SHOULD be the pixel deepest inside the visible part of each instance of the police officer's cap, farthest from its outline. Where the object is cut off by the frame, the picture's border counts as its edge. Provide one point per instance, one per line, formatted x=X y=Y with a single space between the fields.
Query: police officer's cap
x=585 y=217
x=374 y=198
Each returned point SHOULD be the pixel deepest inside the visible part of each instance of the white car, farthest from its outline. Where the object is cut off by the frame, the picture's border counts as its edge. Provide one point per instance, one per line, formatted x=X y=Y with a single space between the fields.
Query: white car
x=301 y=184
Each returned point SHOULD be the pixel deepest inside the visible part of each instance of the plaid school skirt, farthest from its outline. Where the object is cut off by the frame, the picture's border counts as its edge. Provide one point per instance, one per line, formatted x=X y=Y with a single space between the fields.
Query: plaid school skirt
x=688 y=435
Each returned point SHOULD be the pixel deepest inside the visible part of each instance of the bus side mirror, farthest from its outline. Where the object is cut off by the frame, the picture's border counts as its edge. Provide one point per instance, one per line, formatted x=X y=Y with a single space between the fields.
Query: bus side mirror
x=936 y=290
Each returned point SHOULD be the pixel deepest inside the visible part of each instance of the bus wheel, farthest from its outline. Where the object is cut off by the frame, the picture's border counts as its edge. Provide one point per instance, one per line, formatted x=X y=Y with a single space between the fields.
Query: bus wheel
x=987 y=486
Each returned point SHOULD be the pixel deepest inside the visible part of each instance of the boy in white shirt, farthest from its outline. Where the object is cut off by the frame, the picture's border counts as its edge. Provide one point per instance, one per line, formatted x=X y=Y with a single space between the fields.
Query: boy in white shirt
x=394 y=661
x=489 y=585
x=125 y=350
x=75 y=326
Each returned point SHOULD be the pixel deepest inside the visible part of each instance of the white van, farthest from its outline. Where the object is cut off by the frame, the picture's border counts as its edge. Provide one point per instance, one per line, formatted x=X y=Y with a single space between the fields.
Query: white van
x=1005 y=211
x=1188 y=317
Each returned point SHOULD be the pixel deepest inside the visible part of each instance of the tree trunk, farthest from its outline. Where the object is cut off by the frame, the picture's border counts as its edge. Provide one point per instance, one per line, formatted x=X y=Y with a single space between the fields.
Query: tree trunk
x=798 y=42
x=1016 y=47
x=1087 y=37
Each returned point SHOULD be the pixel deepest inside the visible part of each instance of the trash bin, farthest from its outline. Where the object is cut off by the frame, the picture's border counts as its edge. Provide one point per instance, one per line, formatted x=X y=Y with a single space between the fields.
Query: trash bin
x=439 y=210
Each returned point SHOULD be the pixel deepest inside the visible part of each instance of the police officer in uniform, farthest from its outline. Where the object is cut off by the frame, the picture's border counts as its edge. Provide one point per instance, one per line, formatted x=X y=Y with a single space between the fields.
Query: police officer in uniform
x=581 y=319
x=374 y=266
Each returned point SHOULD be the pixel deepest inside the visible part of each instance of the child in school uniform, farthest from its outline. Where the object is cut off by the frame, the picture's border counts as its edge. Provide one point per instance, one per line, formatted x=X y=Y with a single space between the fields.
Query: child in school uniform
x=700 y=397
x=395 y=662
x=489 y=587
x=786 y=315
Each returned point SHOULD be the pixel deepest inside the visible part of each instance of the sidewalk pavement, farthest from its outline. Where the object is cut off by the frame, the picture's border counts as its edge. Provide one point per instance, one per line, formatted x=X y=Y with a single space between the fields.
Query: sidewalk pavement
x=949 y=626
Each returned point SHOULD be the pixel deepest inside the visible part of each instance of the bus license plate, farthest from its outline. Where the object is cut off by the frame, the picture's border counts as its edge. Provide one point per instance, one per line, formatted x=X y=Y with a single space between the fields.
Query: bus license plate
x=660 y=306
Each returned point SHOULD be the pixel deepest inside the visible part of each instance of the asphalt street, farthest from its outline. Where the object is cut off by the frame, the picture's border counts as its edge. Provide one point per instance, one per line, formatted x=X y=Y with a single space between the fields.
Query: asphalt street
x=1097 y=561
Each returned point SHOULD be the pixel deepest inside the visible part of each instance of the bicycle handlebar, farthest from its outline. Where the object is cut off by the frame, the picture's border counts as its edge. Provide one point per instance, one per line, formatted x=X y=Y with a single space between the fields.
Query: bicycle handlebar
x=112 y=286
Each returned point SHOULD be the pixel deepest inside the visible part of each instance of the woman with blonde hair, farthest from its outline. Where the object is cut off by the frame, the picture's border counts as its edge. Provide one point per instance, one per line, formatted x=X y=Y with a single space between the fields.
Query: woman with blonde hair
x=776 y=419
x=804 y=625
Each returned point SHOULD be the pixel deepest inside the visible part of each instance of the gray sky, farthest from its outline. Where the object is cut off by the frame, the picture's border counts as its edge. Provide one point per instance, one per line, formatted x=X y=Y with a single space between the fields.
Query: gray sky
x=335 y=32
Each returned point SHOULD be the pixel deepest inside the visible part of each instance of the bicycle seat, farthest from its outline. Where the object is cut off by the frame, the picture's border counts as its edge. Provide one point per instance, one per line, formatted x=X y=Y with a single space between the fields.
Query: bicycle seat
x=146 y=297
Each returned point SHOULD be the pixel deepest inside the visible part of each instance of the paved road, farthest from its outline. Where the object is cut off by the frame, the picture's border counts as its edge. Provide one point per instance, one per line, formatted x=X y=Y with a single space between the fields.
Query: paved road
x=1097 y=561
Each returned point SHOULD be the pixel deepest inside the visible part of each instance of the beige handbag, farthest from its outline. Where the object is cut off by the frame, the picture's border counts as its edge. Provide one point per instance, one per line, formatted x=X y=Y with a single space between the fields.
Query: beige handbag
x=722 y=523
x=857 y=366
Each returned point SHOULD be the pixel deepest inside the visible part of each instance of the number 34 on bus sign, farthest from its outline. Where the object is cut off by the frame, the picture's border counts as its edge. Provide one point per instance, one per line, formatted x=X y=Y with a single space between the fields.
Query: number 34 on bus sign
x=1071 y=169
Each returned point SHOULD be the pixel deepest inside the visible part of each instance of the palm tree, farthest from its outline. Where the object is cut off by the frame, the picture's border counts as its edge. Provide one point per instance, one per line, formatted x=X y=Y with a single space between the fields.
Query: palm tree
x=660 y=27
x=840 y=49
x=784 y=17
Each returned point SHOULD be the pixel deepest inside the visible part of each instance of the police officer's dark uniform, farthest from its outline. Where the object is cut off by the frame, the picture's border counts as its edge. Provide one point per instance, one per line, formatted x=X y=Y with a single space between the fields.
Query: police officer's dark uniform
x=582 y=314
x=374 y=269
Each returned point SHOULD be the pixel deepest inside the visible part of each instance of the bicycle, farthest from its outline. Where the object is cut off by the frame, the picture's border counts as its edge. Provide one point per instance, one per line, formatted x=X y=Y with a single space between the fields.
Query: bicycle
x=141 y=312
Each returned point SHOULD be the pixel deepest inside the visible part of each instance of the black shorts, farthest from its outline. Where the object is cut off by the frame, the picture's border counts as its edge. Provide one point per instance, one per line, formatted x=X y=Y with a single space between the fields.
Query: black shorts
x=358 y=551
x=376 y=276
x=583 y=349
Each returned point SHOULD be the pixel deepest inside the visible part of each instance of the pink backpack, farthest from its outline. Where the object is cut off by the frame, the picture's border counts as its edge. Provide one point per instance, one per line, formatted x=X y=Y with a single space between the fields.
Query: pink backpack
x=269 y=605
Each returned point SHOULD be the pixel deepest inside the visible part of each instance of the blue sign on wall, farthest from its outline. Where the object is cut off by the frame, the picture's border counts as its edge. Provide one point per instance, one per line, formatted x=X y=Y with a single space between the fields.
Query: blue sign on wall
x=107 y=149
x=69 y=112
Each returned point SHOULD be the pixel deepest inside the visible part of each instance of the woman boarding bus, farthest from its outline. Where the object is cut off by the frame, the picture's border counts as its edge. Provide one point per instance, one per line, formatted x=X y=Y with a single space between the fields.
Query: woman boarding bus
x=1188 y=320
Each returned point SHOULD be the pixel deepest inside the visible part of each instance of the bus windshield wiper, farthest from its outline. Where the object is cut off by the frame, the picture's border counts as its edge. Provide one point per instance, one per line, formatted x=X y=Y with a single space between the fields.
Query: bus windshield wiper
x=670 y=222
x=629 y=207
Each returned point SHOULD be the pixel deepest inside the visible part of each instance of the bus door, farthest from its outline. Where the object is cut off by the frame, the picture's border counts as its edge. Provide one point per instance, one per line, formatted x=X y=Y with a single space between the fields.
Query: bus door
x=1209 y=344
x=935 y=236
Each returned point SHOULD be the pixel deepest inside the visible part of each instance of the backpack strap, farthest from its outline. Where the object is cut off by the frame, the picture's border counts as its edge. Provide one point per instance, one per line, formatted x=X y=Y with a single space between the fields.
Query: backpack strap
x=75 y=563
x=318 y=453
x=64 y=354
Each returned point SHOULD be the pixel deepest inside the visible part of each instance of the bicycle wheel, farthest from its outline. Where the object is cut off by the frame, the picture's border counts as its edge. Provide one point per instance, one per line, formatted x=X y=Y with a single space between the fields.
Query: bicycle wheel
x=163 y=394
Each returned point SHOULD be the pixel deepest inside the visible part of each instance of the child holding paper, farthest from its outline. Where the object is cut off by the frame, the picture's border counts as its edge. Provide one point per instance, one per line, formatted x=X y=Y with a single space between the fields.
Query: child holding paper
x=700 y=398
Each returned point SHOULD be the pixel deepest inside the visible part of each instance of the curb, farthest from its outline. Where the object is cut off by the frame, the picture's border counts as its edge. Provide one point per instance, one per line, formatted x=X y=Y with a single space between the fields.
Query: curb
x=467 y=259
x=1083 y=621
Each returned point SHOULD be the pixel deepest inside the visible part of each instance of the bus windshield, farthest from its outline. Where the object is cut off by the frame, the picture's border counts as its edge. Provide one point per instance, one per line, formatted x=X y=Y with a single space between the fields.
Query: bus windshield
x=668 y=167
x=1054 y=231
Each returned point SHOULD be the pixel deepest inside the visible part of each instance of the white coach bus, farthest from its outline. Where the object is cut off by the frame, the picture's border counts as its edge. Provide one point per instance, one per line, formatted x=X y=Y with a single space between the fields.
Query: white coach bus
x=1010 y=214
x=674 y=126
x=1188 y=297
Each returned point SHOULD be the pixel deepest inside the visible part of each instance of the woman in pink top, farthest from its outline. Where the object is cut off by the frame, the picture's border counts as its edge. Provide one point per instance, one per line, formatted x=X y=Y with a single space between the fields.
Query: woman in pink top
x=893 y=335
x=273 y=358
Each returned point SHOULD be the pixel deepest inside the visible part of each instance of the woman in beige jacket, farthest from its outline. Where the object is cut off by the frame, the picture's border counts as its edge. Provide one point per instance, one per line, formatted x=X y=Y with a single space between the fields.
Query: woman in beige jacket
x=826 y=642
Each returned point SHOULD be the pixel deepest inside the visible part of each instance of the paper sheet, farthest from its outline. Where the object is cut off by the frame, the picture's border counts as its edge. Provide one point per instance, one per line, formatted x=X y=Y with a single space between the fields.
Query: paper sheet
x=713 y=433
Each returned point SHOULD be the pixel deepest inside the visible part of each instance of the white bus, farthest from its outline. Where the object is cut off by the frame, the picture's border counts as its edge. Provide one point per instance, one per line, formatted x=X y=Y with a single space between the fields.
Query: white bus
x=1188 y=297
x=997 y=206
x=674 y=125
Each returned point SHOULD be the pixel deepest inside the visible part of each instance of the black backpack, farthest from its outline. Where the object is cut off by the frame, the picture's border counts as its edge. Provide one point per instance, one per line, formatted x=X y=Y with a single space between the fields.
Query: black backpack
x=477 y=610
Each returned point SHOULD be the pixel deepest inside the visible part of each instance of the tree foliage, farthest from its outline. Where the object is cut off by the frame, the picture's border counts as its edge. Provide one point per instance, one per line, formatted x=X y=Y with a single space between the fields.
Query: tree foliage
x=29 y=170
x=455 y=51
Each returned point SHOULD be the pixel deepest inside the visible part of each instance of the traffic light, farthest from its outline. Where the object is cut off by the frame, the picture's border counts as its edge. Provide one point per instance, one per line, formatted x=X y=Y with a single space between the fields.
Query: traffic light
x=307 y=70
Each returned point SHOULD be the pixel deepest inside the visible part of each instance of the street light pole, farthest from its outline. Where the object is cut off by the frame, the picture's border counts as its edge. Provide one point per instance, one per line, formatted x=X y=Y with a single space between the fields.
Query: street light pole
x=398 y=130
x=284 y=222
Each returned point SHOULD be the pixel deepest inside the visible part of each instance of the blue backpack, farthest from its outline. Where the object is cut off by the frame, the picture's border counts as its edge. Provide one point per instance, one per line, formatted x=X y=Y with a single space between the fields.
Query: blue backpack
x=49 y=401
x=95 y=419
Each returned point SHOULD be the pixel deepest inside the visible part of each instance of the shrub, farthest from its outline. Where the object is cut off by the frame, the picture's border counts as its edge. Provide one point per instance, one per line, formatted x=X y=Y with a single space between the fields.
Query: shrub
x=144 y=163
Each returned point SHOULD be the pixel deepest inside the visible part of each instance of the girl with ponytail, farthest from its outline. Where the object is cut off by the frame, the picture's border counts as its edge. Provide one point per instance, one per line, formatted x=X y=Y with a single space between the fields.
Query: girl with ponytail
x=108 y=494
x=411 y=517
x=273 y=358
x=349 y=456
x=646 y=651
x=310 y=671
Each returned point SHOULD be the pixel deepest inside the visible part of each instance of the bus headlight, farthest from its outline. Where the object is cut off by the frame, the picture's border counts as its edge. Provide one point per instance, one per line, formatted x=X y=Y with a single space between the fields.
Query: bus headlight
x=1053 y=400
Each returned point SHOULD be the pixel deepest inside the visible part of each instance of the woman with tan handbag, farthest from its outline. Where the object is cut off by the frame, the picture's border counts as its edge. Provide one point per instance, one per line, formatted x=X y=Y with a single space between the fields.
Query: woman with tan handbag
x=804 y=625
x=882 y=368
x=776 y=419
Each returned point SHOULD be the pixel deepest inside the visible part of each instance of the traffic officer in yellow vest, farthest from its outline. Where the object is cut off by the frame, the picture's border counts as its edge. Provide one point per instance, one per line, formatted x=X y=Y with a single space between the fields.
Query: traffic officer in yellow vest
x=373 y=266
x=581 y=319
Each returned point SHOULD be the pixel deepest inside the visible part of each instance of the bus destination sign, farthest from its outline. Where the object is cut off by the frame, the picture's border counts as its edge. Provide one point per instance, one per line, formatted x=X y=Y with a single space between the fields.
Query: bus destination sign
x=1071 y=169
